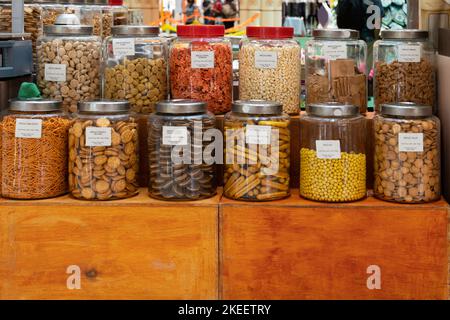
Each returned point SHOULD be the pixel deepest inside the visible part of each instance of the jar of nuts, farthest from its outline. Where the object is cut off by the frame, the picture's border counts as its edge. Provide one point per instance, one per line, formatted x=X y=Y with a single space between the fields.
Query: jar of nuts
x=180 y=166
x=332 y=153
x=103 y=151
x=405 y=68
x=336 y=68
x=269 y=67
x=257 y=151
x=34 y=150
x=407 y=154
x=69 y=62
x=201 y=66
x=135 y=69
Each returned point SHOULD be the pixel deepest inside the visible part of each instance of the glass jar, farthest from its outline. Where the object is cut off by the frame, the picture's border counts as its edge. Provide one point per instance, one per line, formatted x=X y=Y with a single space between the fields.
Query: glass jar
x=69 y=62
x=407 y=154
x=180 y=168
x=336 y=68
x=34 y=150
x=332 y=153
x=135 y=69
x=50 y=12
x=269 y=67
x=257 y=151
x=103 y=151
x=405 y=68
x=201 y=66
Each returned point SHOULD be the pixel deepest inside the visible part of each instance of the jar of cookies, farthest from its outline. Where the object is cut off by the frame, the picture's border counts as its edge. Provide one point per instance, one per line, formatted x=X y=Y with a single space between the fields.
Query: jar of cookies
x=182 y=162
x=34 y=149
x=201 y=66
x=407 y=154
x=269 y=67
x=257 y=151
x=103 y=151
x=69 y=62
x=332 y=153
x=336 y=68
x=135 y=69
x=405 y=68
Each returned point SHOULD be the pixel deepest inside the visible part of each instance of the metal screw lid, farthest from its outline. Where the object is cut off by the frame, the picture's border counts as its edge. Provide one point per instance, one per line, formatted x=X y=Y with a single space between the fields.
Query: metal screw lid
x=34 y=105
x=335 y=34
x=406 y=34
x=406 y=109
x=104 y=106
x=332 y=110
x=68 y=24
x=257 y=107
x=135 y=31
x=181 y=106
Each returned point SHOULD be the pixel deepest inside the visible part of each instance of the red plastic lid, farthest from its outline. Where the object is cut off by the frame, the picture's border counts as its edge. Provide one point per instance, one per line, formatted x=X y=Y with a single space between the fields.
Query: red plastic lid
x=201 y=31
x=270 y=32
x=116 y=2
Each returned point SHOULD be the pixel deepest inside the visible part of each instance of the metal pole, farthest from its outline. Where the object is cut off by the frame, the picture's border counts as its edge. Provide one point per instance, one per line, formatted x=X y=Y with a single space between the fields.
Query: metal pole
x=413 y=14
x=17 y=16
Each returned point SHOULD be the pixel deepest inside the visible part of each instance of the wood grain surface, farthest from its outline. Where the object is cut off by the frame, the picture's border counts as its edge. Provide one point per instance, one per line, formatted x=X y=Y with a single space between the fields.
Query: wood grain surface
x=137 y=248
x=298 y=249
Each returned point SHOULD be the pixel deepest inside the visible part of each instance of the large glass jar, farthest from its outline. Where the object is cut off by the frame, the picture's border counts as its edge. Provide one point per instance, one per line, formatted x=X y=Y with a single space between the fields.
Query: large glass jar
x=135 y=69
x=103 y=151
x=336 y=68
x=405 y=68
x=180 y=166
x=269 y=67
x=50 y=12
x=257 y=151
x=407 y=154
x=69 y=62
x=201 y=66
x=34 y=150
x=332 y=153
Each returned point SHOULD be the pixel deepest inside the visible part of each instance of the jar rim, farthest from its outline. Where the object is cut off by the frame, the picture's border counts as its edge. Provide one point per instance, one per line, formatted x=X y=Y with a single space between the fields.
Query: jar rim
x=406 y=109
x=128 y=30
x=270 y=32
x=104 y=106
x=332 y=110
x=35 y=105
x=406 y=34
x=349 y=34
x=181 y=106
x=206 y=31
x=262 y=107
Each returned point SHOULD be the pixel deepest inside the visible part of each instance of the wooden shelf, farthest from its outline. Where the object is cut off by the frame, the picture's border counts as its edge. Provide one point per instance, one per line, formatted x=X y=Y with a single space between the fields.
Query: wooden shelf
x=141 y=248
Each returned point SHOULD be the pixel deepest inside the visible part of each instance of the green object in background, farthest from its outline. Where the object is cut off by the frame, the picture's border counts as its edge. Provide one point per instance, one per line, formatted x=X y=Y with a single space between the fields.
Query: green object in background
x=28 y=90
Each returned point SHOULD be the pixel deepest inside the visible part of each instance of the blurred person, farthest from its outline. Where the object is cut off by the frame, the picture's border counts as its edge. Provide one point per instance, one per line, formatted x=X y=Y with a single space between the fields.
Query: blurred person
x=229 y=11
x=217 y=9
x=207 y=11
x=191 y=8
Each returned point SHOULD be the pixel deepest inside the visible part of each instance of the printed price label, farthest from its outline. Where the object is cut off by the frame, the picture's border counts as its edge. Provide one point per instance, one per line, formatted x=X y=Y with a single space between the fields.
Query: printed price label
x=123 y=47
x=258 y=134
x=55 y=72
x=266 y=59
x=335 y=50
x=98 y=137
x=409 y=53
x=410 y=142
x=328 y=149
x=29 y=128
x=202 y=59
x=175 y=136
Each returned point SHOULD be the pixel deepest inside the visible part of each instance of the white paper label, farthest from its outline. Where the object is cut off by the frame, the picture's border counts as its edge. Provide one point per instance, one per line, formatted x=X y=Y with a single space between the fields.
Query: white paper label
x=328 y=149
x=258 y=134
x=123 y=47
x=410 y=142
x=29 y=128
x=409 y=53
x=55 y=72
x=266 y=59
x=98 y=137
x=202 y=59
x=175 y=136
x=335 y=50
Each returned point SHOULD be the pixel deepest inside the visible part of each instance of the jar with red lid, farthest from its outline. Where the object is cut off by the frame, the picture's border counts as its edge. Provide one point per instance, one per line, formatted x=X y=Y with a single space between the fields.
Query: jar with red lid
x=201 y=66
x=269 y=67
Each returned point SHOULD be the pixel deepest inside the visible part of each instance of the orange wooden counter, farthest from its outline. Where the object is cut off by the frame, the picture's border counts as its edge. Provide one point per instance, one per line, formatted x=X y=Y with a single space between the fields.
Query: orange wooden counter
x=298 y=249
